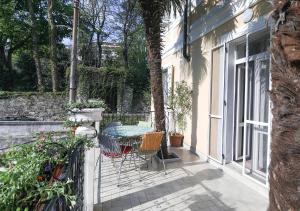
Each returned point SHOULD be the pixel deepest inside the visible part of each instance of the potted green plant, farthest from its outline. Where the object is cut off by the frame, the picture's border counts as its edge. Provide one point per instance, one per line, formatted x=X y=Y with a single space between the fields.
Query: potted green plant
x=72 y=125
x=181 y=104
x=86 y=112
x=34 y=175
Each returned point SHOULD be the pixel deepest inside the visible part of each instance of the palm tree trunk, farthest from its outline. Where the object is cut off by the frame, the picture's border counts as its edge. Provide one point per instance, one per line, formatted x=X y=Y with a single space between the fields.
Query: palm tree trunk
x=35 y=50
x=152 y=16
x=53 y=47
x=284 y=169
x=72 y=88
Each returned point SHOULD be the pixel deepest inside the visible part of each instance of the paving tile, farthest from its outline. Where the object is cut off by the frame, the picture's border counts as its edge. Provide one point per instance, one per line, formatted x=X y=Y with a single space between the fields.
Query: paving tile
x=189 y=185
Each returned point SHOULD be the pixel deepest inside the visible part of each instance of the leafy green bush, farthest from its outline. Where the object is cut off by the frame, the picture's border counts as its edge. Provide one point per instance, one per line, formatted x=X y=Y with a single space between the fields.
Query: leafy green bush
x=7 y=94
x=26 y=172
x=181 y=103
x=69 y=124
x=88 y=104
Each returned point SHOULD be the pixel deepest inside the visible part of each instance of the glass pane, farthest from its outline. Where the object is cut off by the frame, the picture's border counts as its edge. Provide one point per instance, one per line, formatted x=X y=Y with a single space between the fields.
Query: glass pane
x=239 y=143
x=258 y=99
x=259 y=45
x=217 y=81
x=215 y=138
x=216 y=106
x=240 y=91
x=241 y=51
x=256 y=163
x=240 y=95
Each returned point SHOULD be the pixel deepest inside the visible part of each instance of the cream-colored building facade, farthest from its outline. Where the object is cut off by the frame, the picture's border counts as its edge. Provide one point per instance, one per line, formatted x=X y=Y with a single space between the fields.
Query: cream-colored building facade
x=228 y=72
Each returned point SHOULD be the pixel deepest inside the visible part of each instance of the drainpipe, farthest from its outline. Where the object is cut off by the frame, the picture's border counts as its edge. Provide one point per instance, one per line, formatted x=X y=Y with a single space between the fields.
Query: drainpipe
x=186 y=54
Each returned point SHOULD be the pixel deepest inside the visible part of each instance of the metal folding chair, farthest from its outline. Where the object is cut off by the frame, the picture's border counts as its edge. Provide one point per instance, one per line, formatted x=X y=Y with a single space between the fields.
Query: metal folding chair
x=113 y=147
x=151 y=144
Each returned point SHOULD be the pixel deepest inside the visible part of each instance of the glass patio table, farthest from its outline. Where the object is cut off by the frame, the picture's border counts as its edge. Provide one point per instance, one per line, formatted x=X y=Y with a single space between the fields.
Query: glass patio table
x=127 y=131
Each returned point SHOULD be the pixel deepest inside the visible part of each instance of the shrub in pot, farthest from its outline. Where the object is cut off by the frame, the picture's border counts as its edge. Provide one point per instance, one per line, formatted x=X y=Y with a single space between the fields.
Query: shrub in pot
x=181 y=104
x=72 y=125
x=86 y=112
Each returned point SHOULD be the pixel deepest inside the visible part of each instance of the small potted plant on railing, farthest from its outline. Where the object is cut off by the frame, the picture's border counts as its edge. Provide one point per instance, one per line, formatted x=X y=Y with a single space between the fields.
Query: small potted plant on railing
x=181 y=104
x=86 y=112
x=72 y=125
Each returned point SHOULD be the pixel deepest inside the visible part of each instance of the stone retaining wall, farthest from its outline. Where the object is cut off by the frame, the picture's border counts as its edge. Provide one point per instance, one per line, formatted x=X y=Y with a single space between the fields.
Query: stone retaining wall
x=19 y=132
x=34 y=106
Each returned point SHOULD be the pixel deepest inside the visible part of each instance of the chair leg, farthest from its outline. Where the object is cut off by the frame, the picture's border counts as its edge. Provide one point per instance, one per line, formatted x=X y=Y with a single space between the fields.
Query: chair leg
x=163 y=160
x=130 y=159
x=147 y=161
x=134 y=155
x=101 y=156
x=119 y=173
x=113 y=161
x=140 y=167
x=120 y=168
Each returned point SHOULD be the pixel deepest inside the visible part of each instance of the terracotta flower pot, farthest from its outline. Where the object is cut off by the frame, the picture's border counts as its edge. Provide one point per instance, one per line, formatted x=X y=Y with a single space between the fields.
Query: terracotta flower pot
x=176 y=140
x=73 y=130
x=57 y=171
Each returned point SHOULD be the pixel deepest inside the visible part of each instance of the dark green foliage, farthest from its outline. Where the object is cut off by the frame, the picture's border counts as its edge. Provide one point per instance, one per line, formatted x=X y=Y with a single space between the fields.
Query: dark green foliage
x=71 y=124
x=88 y=104
x=25 y=78
x=138 y=73
x=18 y=72
x=6 y=94
x=24 y=179
x=99 y=83
x=17 y=68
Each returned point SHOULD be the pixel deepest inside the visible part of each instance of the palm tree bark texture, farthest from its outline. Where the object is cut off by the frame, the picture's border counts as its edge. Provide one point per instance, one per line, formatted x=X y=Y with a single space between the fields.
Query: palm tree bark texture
x=152 y=16
x=284 y=169
x=152 y=13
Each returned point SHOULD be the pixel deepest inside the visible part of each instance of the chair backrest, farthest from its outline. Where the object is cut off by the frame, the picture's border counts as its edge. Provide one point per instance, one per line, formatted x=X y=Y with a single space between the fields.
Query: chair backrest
x=110 y=146
x=113 y=124
x=151 y=141
x=144 y=124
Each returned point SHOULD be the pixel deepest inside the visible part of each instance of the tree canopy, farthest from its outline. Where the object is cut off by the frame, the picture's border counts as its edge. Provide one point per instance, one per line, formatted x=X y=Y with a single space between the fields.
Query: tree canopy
x=35 y=42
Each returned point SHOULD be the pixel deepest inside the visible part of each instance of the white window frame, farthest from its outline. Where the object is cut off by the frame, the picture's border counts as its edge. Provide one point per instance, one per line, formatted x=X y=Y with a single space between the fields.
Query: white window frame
x=220 y=117
x=246 y=60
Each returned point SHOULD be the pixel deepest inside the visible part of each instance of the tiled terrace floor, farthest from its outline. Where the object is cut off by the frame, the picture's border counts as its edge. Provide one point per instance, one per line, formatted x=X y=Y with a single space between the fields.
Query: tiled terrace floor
x=191 y=184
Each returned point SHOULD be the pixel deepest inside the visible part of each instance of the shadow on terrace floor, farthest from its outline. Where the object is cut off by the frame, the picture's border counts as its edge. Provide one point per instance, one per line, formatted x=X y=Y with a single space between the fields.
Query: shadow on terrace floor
x=189 y=185
x=181 y=188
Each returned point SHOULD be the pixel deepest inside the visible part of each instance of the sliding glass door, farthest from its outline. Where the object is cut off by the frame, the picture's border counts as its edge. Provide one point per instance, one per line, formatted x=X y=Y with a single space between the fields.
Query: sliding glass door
x=252 y=76
x=258 y=114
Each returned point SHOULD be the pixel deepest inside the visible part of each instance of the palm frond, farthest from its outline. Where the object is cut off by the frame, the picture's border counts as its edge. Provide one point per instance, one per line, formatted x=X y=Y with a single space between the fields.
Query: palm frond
x=169 y=5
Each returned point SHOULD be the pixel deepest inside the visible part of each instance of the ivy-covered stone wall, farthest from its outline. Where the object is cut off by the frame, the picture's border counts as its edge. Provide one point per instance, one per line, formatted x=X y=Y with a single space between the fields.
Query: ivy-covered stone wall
x=32 y=106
